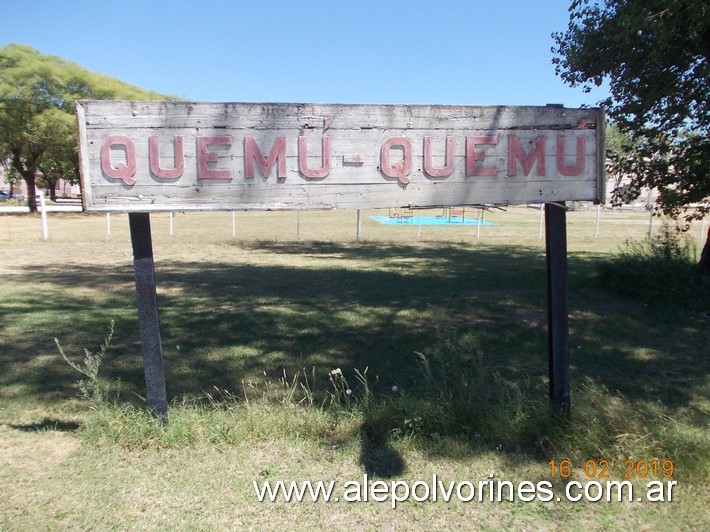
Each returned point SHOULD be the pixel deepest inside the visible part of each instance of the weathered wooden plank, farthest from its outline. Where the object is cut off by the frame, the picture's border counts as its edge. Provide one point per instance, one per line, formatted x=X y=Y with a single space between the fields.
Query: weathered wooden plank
x=148 y=319
x=152 y=156
x=330 y=116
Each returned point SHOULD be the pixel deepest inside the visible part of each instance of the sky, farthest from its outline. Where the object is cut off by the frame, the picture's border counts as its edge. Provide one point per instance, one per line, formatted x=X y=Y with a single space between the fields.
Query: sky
x=475 y=52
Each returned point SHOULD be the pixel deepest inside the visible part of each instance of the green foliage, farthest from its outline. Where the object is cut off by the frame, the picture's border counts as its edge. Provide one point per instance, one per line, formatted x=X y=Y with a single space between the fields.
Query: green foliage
x=660 y=270
x=38 y=94
x=92 y=389
x=655 y=56
x=653 y=53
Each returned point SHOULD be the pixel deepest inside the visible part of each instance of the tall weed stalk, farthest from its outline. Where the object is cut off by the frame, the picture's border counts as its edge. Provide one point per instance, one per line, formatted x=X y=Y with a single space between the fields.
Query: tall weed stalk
x=91 y=388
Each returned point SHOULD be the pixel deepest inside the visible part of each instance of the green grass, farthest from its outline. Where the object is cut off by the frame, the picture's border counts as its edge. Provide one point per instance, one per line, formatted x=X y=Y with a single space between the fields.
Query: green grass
x=253 y=325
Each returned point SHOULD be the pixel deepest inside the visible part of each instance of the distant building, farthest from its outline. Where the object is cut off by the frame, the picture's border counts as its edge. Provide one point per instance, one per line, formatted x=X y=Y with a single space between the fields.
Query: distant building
x=64 y=189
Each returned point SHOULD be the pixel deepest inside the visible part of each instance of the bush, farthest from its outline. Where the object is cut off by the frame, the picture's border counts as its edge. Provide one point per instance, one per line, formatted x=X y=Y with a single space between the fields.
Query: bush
x=660 y=271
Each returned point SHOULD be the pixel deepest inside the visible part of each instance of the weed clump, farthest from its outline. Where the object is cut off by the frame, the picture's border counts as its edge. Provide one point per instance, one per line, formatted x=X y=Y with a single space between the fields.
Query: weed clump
x=91 y=388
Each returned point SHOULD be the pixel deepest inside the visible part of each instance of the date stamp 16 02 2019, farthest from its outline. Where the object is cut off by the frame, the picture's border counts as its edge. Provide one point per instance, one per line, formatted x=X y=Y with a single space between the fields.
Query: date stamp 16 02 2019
x=594 y=490
x=600 y=468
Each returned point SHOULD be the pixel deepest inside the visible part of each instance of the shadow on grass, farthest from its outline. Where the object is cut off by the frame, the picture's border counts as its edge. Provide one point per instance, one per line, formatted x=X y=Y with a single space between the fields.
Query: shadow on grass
x=225 y=324
x=377 y=457
x=47 y=424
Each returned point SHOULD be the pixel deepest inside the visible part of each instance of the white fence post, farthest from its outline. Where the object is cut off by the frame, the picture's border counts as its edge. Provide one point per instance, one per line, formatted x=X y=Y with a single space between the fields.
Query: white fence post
x=43 y=207
x=359 y=226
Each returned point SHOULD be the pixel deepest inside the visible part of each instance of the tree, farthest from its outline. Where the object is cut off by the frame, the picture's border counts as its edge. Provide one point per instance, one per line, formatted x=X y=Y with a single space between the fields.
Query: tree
x=60 y=160
x=37 y=112
x=655 y=56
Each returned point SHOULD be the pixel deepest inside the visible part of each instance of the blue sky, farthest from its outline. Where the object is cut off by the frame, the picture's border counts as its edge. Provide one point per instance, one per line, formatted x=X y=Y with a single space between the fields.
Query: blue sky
x=415 y=52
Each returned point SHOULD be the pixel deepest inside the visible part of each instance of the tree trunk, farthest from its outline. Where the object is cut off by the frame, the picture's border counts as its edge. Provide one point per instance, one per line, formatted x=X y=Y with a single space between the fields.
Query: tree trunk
x=27 y=169
x=704 y=264
x=53 y=190
x=31 y=192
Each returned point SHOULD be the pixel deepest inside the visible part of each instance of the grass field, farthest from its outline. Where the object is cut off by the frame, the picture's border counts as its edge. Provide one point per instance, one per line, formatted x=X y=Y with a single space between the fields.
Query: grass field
x=439 y=334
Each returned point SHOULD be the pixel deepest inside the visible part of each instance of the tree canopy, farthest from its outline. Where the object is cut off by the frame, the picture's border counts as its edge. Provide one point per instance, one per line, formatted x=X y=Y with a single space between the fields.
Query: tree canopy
x=37 y=111
x=655 y=57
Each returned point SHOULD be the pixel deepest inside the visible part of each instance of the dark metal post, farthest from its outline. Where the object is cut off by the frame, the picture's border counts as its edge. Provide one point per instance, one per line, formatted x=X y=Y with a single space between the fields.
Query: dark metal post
x=148 y=314
x=557 y=312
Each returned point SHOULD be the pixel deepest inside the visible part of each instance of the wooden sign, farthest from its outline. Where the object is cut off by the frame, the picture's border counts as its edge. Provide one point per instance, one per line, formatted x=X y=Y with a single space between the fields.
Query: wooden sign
x=164 y=156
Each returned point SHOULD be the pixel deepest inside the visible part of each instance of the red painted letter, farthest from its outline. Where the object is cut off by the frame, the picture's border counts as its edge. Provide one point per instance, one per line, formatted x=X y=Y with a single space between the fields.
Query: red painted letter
x=123 y=171
x=399 y=170
x=448 y=168
x=473 y=156
x=516 y=153
x=577 y=168
x=204 y=158
x=154 y=156
x=321 y=172
x=252 y=153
